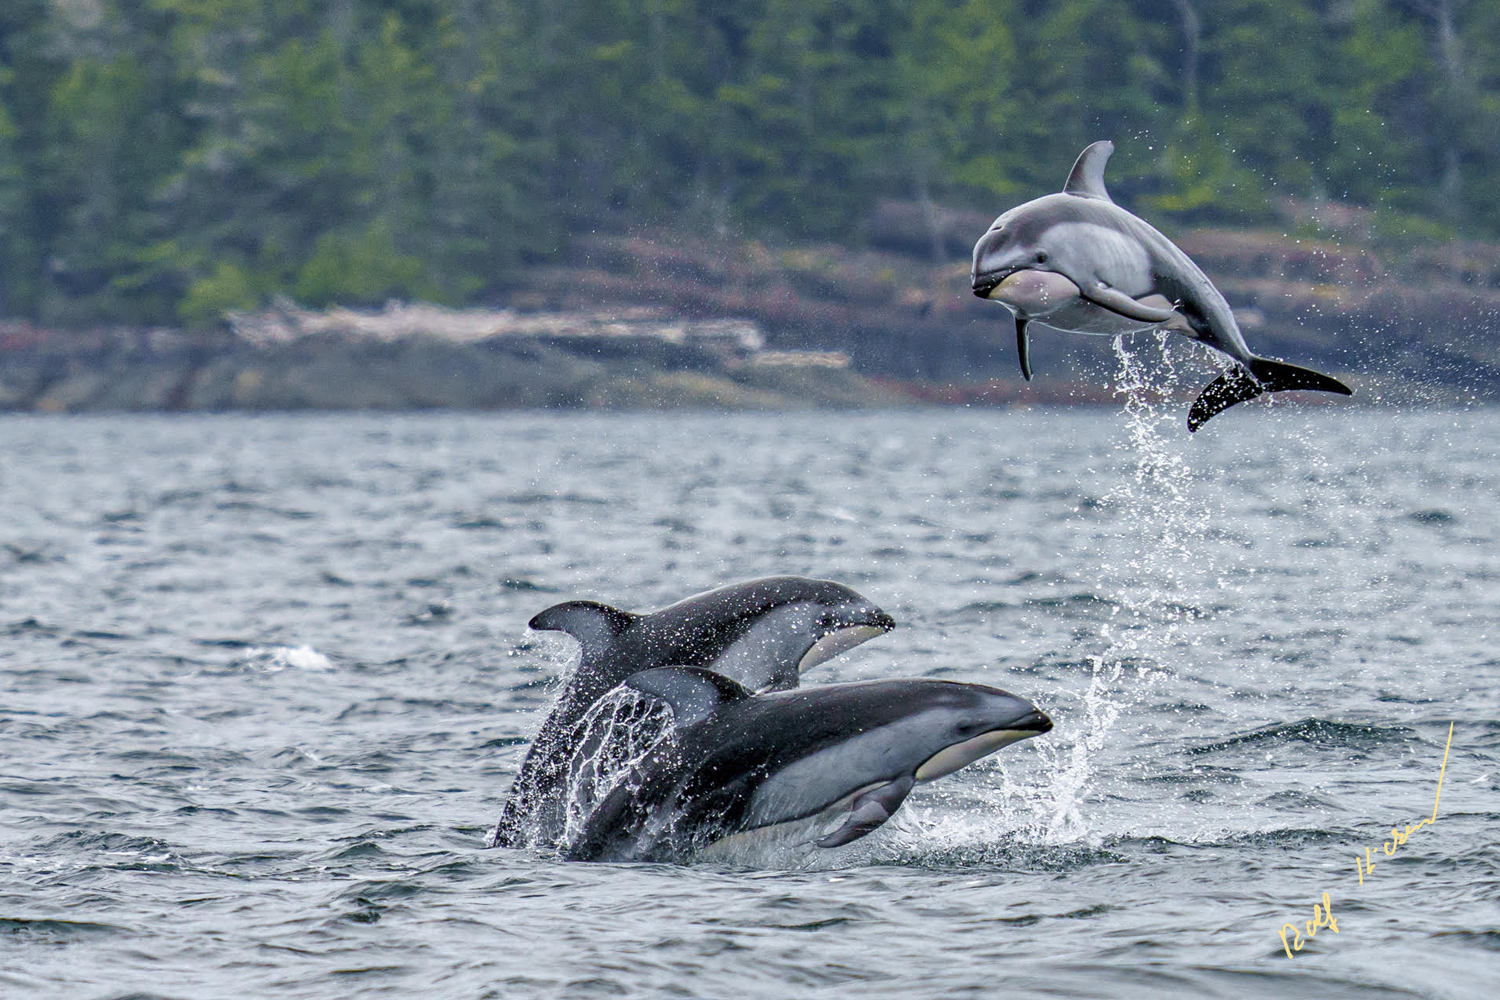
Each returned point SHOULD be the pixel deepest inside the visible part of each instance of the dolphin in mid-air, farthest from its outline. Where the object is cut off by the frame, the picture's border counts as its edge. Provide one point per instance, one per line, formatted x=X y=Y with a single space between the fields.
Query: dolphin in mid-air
x=1078 y=262
x=741 y=766
x=761 y=634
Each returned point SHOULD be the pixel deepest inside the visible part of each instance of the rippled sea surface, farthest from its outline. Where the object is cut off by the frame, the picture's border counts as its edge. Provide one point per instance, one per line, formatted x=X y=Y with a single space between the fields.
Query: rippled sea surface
x=264 y=682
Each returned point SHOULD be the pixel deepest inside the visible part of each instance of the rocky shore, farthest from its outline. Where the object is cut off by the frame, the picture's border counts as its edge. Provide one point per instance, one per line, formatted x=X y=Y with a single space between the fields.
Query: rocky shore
x=360 y=361
x=661 y=320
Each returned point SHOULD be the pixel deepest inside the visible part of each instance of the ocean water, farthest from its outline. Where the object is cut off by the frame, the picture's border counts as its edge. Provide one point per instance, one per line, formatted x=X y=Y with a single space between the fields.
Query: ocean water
x=265 y=680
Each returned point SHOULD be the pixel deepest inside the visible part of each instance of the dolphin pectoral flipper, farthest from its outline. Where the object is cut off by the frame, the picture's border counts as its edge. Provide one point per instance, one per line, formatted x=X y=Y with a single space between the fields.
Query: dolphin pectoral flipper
x=868 y=811
x=1237 y=385
x=1023 y=347
x=1117 y=301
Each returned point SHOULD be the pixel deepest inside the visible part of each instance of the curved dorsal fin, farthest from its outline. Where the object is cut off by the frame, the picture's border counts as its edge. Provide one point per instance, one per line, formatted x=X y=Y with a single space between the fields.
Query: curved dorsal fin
x=692 y=692
x=594 y=625
x=1087 y=178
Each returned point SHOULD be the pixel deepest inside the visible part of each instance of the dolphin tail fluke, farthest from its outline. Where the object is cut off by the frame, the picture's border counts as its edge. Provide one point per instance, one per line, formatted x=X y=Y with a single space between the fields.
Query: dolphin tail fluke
x=1237 y=385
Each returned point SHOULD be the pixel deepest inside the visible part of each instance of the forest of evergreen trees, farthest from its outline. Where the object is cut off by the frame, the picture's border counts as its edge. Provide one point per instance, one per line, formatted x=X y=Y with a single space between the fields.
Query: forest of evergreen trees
x=163 y=160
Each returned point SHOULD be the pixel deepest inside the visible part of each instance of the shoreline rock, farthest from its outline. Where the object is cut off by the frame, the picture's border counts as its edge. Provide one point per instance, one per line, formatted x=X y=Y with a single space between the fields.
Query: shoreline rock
x=666 y=320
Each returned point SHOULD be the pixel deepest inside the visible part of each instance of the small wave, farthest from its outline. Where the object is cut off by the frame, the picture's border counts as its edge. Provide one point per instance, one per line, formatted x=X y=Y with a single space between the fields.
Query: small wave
x=1322 y=732
x=56 y=931
x=273 y=659
x=29 y=625
x=363 y=849
x=1081 y=599
x=1489 y=940
x=434 y=614
x=246 y=506
x=977 y=611
x=481 y=523
x=522 y=585
x=533 y=499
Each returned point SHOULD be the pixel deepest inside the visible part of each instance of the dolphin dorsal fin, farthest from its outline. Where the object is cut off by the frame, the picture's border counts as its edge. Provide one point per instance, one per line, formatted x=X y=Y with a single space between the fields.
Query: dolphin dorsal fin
x=594 y=625
x=692 y=692
x=1087 y=178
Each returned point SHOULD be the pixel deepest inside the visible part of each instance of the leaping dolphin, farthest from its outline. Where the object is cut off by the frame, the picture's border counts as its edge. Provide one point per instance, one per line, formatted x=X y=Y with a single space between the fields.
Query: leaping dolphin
x=740 y=766
x=1078 y=262
x=760 y=634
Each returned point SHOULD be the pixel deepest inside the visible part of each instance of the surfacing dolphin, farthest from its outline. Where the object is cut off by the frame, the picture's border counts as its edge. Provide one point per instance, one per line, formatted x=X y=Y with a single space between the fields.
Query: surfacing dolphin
x=1078 y=262
x=761 y=634
x=741 y=766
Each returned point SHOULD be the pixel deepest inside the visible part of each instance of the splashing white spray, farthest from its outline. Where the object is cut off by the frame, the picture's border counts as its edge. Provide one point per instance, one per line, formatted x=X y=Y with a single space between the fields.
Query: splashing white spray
x=1149 y=582
x=616 y=734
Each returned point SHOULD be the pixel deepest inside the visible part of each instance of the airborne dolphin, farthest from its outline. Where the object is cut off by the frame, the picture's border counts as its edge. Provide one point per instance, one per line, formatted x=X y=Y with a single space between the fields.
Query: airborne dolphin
x=760 y=634
x=740 y=766
x=1078 y=262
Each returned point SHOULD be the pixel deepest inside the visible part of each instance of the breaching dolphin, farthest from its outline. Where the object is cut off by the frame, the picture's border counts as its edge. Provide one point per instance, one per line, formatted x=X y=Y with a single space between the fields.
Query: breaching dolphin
x=1078 y=262
x=760 y=634
x=741 y=766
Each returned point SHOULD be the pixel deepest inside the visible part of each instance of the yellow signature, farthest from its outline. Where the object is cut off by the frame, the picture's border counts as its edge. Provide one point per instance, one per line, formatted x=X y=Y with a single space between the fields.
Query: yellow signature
x=1323 y=912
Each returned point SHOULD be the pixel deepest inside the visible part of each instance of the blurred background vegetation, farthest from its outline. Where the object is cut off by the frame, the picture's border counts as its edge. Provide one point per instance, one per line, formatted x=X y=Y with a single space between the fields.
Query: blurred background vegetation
x=163 y=160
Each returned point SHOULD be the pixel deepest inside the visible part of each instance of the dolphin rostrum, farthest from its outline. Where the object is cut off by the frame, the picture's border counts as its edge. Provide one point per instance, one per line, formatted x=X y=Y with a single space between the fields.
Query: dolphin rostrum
x=740 y=765
x=1078 y=262
x=760 y=634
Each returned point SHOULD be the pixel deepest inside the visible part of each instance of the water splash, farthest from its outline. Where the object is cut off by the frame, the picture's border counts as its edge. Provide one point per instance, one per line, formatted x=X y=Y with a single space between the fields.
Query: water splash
x=1150 y=582
x=616 y=734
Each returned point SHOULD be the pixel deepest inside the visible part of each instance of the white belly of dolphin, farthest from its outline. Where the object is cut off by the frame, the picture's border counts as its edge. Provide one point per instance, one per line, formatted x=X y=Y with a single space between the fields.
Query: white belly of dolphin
x=1035 y=294
x=834 y=643
x=753 y=846
x=1051 y=300
x=946 y=761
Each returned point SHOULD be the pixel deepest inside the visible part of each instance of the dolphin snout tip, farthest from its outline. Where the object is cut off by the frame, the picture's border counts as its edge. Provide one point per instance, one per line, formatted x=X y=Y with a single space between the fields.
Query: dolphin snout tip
x=984 y=284
x=1036 y=721
x=869 y=616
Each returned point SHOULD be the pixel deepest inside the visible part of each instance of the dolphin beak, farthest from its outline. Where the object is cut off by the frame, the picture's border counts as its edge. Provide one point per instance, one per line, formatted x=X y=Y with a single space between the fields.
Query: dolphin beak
x=959 y=755
x=858 y=615
x=1034 y=723
x=863 y=623
x=986 y=283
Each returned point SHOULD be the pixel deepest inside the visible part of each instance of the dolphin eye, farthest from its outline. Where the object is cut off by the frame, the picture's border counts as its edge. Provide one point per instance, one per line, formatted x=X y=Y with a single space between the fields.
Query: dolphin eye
x=1041 y=256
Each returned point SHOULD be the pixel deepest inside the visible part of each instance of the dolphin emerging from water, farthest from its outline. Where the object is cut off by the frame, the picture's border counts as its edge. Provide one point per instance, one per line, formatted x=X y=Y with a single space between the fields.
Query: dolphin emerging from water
x=739 y=765
x=761 y=634
x=1078 y=262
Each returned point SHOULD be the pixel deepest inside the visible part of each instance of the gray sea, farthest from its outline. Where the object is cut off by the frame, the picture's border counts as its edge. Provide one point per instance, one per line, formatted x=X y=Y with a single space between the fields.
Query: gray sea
x=265 y=680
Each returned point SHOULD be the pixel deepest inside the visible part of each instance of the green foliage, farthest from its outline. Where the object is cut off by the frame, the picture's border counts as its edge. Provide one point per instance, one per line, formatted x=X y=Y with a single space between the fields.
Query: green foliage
x=1205 y=181
x=364 y=269
x=229 y=287
x=165 y=160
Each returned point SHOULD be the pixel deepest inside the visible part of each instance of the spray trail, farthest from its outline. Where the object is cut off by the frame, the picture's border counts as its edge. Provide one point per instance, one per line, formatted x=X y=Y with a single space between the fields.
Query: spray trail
x=1149 y=578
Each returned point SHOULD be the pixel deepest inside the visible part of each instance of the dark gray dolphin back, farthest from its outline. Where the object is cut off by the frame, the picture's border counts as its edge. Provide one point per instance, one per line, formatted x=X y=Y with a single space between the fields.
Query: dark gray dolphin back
x=757 y=633
x=740 y=763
